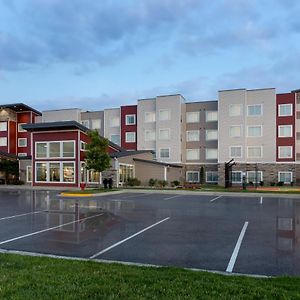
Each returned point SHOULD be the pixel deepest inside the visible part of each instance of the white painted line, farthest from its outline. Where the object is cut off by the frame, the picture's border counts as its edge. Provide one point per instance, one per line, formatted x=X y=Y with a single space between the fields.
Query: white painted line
x=128 y=238
x=172 y=197
x=139 y=195
x=21 y=215
x=236 y=249
x=47 y=229
x=214 y=199
x=261 y=200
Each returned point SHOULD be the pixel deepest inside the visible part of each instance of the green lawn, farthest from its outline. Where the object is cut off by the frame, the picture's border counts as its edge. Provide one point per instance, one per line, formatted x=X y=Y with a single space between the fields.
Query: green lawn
x=24 y=277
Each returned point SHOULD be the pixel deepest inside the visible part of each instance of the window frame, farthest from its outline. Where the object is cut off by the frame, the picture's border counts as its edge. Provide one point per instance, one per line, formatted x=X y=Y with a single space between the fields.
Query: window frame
x=169 y=114
x=235 y=136
x=207 y=149
x=261 y=152
x=115 y=134
x=211 y=181
x=129 y=116
x=290 y=147
x=240 y=172
x=148 y=113
x=20 y=129
x=212 y=130
x=255 y=136
x=231 y=106
x=284 y=136
x=192 y=159
x=282 y=105
x=235 y=146
x=164 y=149
x=61 y=150
x=149 y=131
x=285 y=172
x=164 y=129
x=258 y=172
x=22 y=139
x=4 y=127
x=192 y=172
x=126 y=137
x=187 y=134
x=211 y=112
x=192 y=112
x=253 y=105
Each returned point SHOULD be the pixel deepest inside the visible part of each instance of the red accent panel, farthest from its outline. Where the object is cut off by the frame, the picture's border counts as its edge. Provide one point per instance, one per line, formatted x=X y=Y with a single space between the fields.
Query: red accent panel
x=128 y=110
x=12 y=137
x=24 y=117
x=4 y=134
x=288 y=98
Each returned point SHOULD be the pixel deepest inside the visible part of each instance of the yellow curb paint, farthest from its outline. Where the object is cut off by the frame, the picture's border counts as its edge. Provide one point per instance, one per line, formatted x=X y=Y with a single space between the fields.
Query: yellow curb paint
x=76 y=195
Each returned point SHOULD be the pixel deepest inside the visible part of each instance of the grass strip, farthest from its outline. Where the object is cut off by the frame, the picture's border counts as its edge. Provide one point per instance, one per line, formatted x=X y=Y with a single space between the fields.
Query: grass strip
x=24 y=277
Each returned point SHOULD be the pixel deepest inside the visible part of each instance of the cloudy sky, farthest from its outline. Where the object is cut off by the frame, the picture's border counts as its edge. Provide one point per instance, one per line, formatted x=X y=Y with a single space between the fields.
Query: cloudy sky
x=96 y=54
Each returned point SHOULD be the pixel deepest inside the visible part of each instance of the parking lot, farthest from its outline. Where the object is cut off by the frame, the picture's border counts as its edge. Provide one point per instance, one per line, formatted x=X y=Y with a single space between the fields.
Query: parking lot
x=235 y=234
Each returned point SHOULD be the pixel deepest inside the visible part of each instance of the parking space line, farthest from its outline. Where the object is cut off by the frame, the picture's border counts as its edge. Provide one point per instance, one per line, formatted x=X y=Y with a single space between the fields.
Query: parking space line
x=126 y=239
x=139 y=195
x=236 y=249
x=172 y=197
x=261 y=200
x=214 y=199
x=21 y=215
x=47 y=229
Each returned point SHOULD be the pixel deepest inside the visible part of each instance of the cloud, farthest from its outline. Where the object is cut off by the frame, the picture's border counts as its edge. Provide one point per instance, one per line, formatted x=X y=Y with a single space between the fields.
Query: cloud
x=101 y=32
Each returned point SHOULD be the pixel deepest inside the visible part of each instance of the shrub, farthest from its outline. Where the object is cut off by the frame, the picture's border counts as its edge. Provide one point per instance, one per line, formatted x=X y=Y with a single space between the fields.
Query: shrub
x=292 y=183
x=152 y=182
x=272 y=183
x=175 y=183
x=280 y=183
x=261 y=183
x=133 y=182
x=162 y=183
x=250 y=183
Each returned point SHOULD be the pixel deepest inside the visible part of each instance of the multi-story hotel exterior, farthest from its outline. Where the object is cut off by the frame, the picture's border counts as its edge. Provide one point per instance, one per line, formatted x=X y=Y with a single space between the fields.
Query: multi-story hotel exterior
x=177 y=140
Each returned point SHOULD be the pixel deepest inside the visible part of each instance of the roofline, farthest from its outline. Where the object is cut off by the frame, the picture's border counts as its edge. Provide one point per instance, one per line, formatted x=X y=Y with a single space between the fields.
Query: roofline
x=158 y=163
x=21 y=104
x=62 y=109
x=205 y=101
x=154 y=98
x=248 y=90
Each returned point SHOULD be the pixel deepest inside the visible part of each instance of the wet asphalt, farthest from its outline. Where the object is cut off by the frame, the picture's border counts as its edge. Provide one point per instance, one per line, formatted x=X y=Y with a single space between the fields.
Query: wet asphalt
x=193 y=231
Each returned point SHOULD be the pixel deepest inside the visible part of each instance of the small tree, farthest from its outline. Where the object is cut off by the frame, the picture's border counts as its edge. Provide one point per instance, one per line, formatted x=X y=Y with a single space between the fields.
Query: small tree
x=202 y=179
x=10 y=168
x=97 y=157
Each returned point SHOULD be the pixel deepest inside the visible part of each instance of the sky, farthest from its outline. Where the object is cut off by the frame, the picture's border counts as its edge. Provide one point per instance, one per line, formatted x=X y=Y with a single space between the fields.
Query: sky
x=98 y=54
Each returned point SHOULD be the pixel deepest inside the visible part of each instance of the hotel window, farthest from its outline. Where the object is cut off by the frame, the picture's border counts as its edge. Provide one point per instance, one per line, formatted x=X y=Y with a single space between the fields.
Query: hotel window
x=149 y=117
x=235 y=151
x=235 y=110
x=115 y=122
x=164 y=153
x=130 y=137
x=3 y=141
x=164 y=114
x=212 y=176
x=68 y=149
x=41 y=172
x=211 y=153
x=255 y=152
x=20 y=128
x=22 y=154
x=211 y=135
x=41 y=150
x=54 y=149
x=130 y=119
x=254 y=110
x=235 y=131
x=54 y=172
x=193 y=136
x=164 y=134
x=96 y=124
x=211 y=116
x=115 y=138
x=236 y=177
x=192 y=117
x=3 y=126
x=68 y=172
x=83 y=146
x=255 y=177
x=285 y=152
x=285 y=131
x=286 y=177
x=285 y=110
x=192 y=176
x=149 y=135
x=254 y=131
x=22 y=142
x=192 y=154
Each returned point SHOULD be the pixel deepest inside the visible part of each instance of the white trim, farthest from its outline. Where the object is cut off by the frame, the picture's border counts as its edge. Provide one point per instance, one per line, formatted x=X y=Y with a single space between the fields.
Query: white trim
x=5 y=139
x=130 y=132
x=20 y=126
x=169 y=134
x=261 y=110
x=61 y=175
x=261 y=151
x=283 y=136
x=255 y=136
x=241 y=176
x=130 y=115
x=290 y=147
x=159 y=149
x=235 y=146
x=285 y=104
x=60 y=149
x=1 y=123
x=22 y=139
x=188 y=172
x=291 y=173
